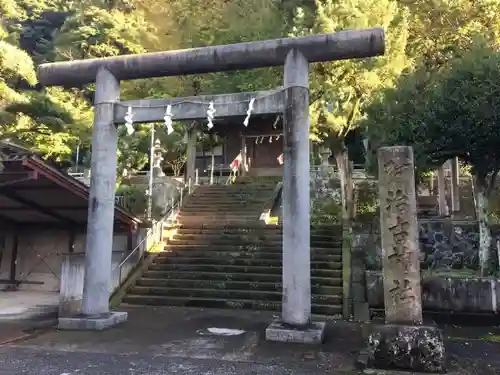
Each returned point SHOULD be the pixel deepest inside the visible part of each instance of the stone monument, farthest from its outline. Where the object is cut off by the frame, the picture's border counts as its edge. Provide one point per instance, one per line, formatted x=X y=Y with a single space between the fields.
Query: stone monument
x=403 y=342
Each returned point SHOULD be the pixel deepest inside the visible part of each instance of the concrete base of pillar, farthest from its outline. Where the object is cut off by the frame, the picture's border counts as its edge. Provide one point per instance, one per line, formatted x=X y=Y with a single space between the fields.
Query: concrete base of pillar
x=282 y=332
x=404 y=347
x=92 y=323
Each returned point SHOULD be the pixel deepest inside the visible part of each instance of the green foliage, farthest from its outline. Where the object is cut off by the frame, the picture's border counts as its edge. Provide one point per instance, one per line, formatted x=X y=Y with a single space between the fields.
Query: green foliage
x=33 y=119
x=134 y=198
x=367 y=205
x=97 y=32
x=423 y=36
x=55 y=121
x=49 y=122
x=174 y=148
x=326 y=211
x=441 y=30
x=454 y=115
x=15 y=64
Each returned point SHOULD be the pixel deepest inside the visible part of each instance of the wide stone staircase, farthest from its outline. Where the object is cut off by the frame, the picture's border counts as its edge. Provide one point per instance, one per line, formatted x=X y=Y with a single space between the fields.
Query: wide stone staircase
x=223 y=256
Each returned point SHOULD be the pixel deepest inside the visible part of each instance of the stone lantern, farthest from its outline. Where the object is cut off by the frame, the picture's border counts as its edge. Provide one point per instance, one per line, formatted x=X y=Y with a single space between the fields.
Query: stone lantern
x=157 y=159
x=325 y=154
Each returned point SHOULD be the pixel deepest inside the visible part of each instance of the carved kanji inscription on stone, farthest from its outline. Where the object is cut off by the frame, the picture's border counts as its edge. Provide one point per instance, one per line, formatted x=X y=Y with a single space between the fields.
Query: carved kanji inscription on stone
x=393 y=169
x=402 y=290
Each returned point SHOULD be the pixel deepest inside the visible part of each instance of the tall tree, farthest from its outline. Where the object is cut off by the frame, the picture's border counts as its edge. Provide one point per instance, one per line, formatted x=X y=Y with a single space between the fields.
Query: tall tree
x=341 y=90
x=442 y=29
x=49 y=121
x=456 y=114
x=97 y=32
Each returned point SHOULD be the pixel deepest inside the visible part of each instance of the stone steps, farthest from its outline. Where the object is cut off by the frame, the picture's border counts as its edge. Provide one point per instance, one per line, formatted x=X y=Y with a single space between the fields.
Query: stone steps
x=257 y=227
x=231 y=294
x=254 y=237
x=318 y=272
x=223 y=256
x=231 y=249
x=196 y=219
x=237 y=262
x=243 y=215
x=247 y=227
x=331 y=310
x=222 y=207
x=259 y=230
x=245 y=277
x=217 y=219
x=196 y=253
x=247 y=241
x=229 y=197
x=209 y=199
x=232 y=285
x=217 y=208
x=233 y=189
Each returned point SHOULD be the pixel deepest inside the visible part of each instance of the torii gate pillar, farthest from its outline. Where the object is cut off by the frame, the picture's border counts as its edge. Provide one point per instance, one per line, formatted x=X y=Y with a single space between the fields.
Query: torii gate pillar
x=296 y=325
x=97 y=276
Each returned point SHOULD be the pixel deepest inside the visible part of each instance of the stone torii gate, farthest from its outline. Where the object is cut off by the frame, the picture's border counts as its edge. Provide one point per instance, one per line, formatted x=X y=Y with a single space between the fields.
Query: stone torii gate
x=293 y=102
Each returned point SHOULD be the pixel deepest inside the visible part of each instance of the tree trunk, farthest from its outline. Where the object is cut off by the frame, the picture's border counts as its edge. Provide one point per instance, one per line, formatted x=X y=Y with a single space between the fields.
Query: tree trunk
x=431 y=184
x=345 y=183
x=351 y=199
x=177 y=170
x=481 y=205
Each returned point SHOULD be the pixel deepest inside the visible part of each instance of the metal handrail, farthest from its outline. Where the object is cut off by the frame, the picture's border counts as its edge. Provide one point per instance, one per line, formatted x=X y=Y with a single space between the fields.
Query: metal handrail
x=134 y=250
x=151 y=232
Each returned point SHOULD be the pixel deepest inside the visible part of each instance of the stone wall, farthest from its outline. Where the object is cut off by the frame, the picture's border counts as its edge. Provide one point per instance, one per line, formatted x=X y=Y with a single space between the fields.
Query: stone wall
x=39 y=256
x=166 y=190
x=72 y=278
x=326 y=200
x=445 y=294
x=325 y=195
x=444 y=245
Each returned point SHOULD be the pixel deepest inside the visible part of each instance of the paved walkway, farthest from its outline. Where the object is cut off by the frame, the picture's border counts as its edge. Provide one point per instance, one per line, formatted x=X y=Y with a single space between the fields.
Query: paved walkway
x=25 y=304
x=158 y=341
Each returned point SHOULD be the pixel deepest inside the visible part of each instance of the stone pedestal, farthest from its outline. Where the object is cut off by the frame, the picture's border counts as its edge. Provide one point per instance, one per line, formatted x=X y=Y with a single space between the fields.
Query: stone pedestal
x=92 y=322
x=403 y=342
x=310 y=334
x=406 y=347
x=71 y=315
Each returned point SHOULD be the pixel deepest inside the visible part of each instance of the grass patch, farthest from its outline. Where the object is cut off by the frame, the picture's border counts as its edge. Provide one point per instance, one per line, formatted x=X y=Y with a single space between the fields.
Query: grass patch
x=458 y=273
x=491 y=338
